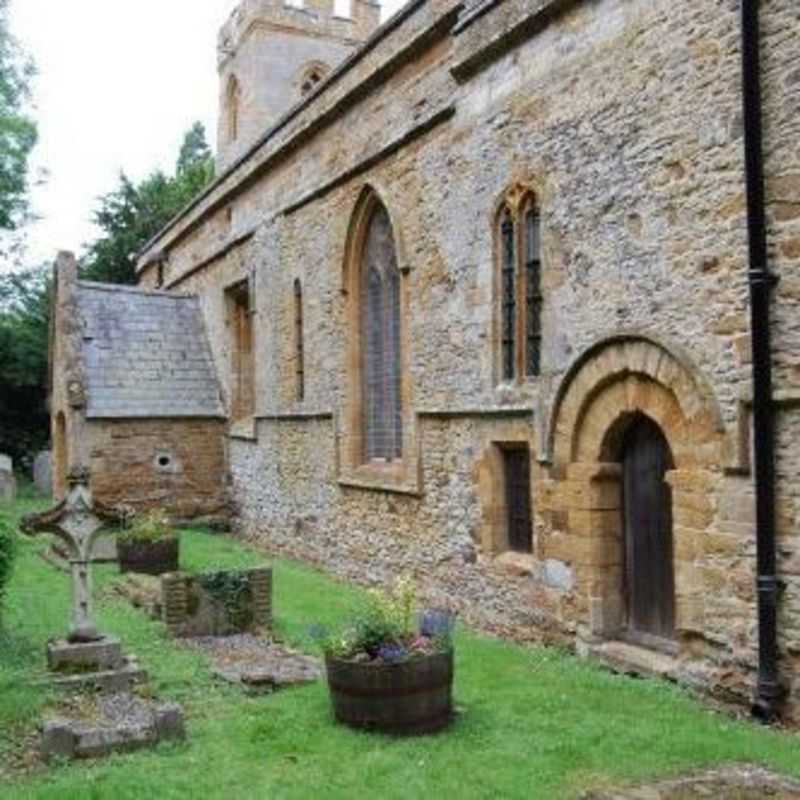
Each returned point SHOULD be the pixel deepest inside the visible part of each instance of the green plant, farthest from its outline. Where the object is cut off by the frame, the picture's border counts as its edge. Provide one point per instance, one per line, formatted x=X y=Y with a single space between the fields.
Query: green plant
x=382 y=628
x=561 y=728
x=151 y=526
x=8 y=550
x=232 y=590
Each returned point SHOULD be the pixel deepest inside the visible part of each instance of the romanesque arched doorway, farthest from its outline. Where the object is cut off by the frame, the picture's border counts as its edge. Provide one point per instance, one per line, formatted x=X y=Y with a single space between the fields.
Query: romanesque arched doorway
x=649 y=574
x=636 y=439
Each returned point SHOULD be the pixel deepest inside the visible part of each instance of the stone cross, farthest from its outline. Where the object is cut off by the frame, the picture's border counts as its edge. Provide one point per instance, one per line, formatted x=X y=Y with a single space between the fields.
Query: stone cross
x=77 y=521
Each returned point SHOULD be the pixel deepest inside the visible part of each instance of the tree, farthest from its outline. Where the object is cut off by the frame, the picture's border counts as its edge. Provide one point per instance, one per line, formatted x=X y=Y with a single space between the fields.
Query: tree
x=24 y=335
x=17 y=130
x=133 y=213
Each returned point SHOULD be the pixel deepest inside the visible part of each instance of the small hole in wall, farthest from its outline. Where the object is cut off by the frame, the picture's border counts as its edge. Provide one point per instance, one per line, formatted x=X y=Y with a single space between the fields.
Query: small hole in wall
x=164 y=461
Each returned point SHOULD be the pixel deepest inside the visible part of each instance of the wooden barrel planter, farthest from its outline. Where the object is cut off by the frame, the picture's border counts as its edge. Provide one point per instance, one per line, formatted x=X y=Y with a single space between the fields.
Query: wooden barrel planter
x=410 y=697
x=149 y=557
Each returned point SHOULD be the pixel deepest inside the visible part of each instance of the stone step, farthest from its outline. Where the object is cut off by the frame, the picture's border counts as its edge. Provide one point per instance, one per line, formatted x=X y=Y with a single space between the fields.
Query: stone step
x=631 y=659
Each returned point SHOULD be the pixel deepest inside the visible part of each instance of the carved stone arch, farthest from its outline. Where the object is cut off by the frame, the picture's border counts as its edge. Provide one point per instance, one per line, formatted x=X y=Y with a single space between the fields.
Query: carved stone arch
x=625 y=373
x=370 y=196
x=598 y=411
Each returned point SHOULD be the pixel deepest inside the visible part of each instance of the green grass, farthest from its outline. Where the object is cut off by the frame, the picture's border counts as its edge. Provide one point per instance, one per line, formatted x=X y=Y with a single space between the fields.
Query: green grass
x=533 y=723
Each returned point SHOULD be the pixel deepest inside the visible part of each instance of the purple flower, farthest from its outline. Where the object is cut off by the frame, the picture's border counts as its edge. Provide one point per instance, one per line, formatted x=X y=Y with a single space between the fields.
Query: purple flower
x=436 y=622
x=392 y=653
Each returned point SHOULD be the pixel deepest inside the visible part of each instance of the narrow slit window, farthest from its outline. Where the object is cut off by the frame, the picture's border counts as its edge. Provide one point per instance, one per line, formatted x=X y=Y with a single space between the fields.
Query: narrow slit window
x=300 y=377
x=234 y=102
x=517 y=464
x=241 y=343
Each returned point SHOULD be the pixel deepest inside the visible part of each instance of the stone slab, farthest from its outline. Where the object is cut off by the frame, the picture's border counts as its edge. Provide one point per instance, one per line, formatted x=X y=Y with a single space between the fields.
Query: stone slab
x=105 y=654
x=43 y=472
x=729 y=782
x=119 y=722
x=6 y=463
x=630 y=659
x=259 y=666
x=122 y=679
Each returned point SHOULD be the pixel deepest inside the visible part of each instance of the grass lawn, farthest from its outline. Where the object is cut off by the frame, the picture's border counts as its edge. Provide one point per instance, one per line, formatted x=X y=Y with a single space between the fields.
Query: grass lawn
x=534 y=723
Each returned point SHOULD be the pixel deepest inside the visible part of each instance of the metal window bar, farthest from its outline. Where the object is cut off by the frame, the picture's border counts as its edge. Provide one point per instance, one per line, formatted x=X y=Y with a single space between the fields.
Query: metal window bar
x=533 y=293
x=508 y=297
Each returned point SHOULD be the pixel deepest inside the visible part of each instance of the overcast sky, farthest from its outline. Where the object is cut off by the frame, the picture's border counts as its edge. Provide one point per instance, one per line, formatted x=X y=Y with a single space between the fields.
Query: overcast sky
x=119 y=84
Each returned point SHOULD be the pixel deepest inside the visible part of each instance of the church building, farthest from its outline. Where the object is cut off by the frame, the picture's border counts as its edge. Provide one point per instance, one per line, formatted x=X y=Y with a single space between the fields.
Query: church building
x=504 y=294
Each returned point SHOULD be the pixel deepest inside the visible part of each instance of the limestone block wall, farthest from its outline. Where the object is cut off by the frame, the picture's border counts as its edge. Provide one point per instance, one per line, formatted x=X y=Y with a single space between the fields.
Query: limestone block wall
x=177 y=464
x=624 y=119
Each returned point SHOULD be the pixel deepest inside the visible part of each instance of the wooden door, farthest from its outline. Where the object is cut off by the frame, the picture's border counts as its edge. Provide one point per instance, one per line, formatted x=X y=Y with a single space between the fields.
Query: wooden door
x=647 y=504
x=518 y=499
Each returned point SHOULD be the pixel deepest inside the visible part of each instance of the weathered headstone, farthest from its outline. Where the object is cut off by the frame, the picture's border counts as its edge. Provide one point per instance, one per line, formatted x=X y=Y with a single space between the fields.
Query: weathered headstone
x=43 y=472
x=8 y=483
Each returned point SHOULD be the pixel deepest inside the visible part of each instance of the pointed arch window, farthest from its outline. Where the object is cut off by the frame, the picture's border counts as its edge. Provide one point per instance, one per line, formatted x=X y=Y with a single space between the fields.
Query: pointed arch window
x=519 y=286
x=299 y=355
x=381 y=342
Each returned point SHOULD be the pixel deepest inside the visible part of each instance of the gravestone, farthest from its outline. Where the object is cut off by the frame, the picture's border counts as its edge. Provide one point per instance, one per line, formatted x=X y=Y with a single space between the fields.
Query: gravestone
x=43 y=472
x=8 y=483
x=88 y=661
x=97 y=659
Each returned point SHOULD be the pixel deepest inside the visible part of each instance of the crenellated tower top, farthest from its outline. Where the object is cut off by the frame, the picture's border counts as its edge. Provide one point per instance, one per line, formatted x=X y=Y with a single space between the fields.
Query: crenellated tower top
x=271 y=53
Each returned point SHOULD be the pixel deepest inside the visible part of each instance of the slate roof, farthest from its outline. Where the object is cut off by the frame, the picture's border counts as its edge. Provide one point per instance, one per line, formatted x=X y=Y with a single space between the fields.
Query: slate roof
x=145 y=354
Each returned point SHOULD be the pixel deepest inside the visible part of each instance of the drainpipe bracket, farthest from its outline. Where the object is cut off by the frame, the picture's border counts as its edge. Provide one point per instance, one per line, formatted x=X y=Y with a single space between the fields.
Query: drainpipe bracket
x=761 y=275
x=770 y=588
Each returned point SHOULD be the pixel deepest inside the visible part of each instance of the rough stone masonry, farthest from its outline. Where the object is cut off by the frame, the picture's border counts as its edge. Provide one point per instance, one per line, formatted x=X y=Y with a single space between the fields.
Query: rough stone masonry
x=560 y=174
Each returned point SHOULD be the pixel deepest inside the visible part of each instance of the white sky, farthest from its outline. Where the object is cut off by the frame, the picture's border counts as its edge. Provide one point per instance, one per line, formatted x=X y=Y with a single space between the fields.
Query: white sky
x=119 y=83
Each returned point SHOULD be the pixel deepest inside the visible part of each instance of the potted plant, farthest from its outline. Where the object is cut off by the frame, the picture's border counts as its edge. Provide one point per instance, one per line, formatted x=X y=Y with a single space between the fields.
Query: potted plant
x=391 y=669
x=148 y=544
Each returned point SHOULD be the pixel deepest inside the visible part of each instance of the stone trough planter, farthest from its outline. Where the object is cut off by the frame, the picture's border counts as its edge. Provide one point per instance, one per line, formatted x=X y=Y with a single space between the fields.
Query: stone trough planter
x=406 y=698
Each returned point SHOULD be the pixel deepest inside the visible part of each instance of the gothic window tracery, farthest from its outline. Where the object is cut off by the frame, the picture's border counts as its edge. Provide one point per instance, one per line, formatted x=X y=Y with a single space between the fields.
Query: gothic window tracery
x=519 y=286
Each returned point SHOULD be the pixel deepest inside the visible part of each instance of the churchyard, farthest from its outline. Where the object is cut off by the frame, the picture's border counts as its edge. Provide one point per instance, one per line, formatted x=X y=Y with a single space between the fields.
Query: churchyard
x=530 y=722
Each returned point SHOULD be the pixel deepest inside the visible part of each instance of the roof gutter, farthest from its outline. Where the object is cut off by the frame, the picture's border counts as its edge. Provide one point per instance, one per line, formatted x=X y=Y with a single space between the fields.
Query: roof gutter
x=769 y=691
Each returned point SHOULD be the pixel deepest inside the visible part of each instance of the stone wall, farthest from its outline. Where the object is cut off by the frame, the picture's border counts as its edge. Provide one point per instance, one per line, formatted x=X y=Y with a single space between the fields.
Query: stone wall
x=175 y=464
x=218 y=603
x=623 y=117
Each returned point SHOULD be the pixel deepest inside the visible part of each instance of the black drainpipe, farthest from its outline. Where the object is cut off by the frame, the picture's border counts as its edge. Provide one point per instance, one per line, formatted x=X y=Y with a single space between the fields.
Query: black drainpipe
x=769 y=692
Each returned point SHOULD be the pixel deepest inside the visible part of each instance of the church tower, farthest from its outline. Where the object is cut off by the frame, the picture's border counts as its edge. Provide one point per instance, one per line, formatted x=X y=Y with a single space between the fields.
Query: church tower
x=271 y=54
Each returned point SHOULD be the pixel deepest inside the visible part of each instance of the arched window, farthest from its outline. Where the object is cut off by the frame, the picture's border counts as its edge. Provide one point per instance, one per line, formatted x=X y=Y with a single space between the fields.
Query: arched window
x=519 y=286
x=233 y=103
x=381 y=342
x=299 y=367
